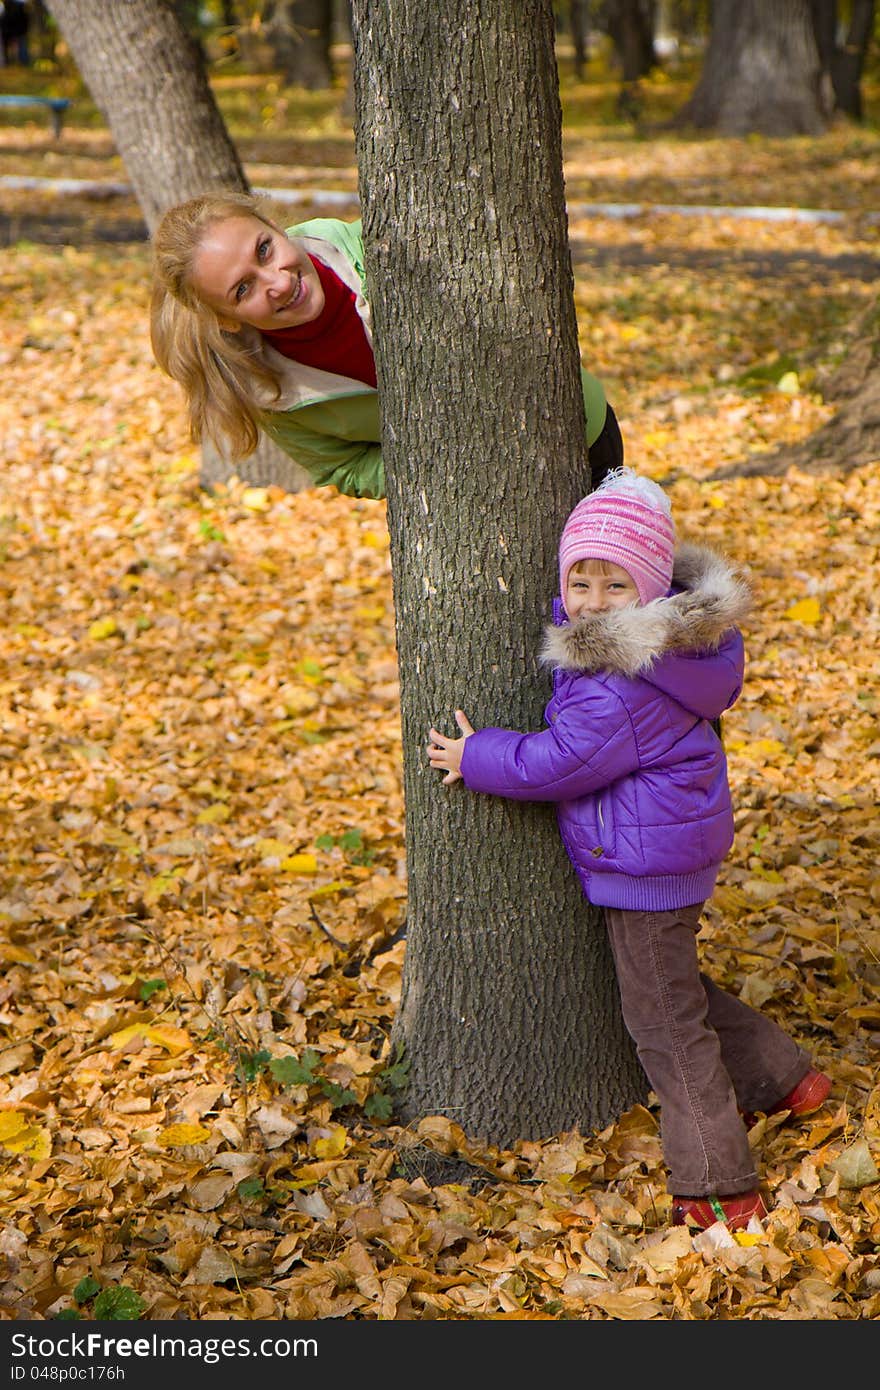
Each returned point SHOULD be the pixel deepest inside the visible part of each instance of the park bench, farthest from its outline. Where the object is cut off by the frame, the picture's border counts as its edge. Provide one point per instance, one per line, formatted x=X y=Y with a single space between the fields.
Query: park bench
x=56 y=105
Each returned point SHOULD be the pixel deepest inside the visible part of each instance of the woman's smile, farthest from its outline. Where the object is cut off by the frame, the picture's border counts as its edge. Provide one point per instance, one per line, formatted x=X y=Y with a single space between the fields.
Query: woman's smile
x=251 y=273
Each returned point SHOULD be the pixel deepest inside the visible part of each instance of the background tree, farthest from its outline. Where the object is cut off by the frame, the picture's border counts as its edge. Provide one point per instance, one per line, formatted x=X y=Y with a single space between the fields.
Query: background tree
x=299 y=32
x=843 y=64
x=509 y=1014
x=147 y=76
x=761 y=71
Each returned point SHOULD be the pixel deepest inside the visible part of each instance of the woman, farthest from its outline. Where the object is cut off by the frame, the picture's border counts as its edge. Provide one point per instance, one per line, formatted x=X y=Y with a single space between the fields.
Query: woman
x=268 y=329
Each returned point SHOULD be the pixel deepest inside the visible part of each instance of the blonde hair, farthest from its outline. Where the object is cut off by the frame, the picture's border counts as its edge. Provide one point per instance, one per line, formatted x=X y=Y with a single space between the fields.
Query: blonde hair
x=589 y=566
x=226 y=385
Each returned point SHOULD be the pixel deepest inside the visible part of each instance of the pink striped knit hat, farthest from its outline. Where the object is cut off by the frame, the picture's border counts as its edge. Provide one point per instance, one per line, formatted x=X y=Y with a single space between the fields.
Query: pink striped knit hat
x=627 y=520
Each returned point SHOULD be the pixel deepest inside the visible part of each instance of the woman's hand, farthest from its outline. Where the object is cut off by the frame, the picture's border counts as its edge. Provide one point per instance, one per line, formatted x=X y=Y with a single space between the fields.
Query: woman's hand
x=445 y=753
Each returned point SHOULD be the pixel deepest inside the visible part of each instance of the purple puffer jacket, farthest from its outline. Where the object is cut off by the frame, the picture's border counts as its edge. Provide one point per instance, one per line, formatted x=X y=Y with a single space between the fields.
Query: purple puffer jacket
x=638 y=772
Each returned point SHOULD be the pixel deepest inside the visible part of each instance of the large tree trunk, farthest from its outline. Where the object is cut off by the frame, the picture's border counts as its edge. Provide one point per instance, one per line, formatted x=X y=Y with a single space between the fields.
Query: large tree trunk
x=509 y=1014
x=148 y=78
x=761 y=71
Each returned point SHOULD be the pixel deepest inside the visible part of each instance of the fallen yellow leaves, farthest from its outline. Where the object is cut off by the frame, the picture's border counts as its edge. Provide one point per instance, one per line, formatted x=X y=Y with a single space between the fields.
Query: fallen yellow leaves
x=185 y=688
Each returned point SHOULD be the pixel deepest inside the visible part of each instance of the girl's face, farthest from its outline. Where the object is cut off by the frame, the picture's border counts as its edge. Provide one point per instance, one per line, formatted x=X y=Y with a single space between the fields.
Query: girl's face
x=596 y=586
x=250 y=273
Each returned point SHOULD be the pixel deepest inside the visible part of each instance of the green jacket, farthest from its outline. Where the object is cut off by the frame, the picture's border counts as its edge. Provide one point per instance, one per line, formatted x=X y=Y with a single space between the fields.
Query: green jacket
x=329 y=424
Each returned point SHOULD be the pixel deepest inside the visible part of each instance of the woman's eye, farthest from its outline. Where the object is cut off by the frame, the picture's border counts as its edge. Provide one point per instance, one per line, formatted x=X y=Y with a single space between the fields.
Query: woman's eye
x=240 y=291
x=263 y=248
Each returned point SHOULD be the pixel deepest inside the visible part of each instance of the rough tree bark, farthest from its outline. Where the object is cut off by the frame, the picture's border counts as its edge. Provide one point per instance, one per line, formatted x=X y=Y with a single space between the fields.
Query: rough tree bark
x=761 y=72
x=147 y=77
x=509 y=1014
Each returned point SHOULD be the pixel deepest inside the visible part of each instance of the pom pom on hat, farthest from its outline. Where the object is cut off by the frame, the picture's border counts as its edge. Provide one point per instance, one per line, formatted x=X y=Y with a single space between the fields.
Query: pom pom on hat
x=627 y=521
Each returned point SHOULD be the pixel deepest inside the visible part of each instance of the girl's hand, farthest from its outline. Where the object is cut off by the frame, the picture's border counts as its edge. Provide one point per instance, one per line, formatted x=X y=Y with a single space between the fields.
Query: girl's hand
x=445 y=753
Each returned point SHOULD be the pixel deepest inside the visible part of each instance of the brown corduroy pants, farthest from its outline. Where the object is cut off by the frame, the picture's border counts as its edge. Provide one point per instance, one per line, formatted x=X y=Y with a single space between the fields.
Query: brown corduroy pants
x=706 y=1054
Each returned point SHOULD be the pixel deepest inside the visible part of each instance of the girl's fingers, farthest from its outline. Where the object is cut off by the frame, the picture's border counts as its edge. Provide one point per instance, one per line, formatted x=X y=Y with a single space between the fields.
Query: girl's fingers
x=463 y=722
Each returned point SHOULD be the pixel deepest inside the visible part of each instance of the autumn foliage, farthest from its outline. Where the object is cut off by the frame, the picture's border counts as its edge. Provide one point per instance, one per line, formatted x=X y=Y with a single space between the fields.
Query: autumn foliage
x=203 y=884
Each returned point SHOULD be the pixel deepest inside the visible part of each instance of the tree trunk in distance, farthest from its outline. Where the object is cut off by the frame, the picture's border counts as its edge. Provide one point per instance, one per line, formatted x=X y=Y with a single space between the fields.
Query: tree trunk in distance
x=579 y=24
x=823 y=14
x=510 y=1015
x=147 y=76
x=760 y=74
x=848 y=63
x=299 y=33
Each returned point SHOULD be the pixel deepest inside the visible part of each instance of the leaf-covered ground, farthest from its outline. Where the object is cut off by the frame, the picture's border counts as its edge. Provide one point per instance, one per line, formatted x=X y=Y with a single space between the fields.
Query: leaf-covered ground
x=203 y=869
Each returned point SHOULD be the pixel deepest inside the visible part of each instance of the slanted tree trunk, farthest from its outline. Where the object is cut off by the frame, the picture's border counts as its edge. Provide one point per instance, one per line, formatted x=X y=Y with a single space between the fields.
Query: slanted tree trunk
x=851 y=437
x=761 y=71
x=147 y=77
x=509 y=1013
x=299 y=33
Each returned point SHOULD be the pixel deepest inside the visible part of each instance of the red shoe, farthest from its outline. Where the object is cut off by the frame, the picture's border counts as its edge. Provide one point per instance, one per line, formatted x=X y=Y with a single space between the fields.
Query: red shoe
x=735 y=1212
x=809 y=1094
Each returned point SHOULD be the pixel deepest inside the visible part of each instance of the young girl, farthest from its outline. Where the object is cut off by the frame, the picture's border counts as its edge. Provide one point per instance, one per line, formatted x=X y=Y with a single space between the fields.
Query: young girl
x=646 y=652
x=270 y=329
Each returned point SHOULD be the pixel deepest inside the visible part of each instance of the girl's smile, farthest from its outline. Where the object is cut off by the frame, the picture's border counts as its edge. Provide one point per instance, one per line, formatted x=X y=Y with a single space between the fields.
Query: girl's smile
x=595 y=586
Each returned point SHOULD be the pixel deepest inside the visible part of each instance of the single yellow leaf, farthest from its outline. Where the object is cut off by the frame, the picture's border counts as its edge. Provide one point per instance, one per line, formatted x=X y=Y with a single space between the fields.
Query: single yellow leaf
x=214 y=814
x=855 y=1166
x=272 y=849
x=298 y=701
x=178 y=1136
x=300 y=864
x=370 y=613
x=101 y=628
x=9 y=952
x=161 y=884
x=333 y=1145
x=327 y=890
x=747 y=1238
x=806 y=610
x=378 y=542
x=183 y=463
x=32 y=1142
x=173 y=1040
x=789 y=384
x=12 y=1122
x=628 y=331
x=764 y=748
x=256 y=499
x=716 y=501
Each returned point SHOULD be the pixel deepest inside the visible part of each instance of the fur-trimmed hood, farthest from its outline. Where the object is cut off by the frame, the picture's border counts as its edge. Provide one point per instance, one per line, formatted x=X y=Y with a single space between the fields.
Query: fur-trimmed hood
x=712 y=599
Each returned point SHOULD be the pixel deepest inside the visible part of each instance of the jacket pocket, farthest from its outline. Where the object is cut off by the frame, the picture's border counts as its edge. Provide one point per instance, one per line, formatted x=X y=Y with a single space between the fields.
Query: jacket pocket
x=605 y=822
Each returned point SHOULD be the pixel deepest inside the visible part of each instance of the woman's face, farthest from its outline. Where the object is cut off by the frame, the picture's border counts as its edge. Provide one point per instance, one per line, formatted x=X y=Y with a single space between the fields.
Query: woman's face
x=248 y=272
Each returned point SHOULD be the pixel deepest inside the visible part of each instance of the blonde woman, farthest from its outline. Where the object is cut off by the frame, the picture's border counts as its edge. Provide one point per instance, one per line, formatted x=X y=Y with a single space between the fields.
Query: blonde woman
x=270 y=329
